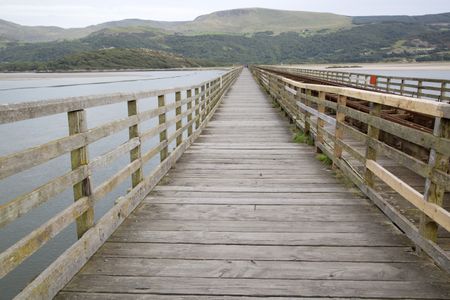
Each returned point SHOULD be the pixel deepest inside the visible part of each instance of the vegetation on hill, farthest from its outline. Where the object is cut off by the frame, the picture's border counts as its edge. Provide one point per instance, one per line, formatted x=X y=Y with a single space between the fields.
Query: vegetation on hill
x=109 y=59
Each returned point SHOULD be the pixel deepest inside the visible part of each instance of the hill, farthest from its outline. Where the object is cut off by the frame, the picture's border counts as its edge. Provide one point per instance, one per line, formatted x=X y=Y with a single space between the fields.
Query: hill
x=241 y=36
x=236 y=21
x=251 y=20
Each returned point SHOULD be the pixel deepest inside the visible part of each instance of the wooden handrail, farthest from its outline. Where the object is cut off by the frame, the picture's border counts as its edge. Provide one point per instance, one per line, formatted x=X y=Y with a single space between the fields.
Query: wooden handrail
x=199 y=109
x=301 y=101
x=434 y=89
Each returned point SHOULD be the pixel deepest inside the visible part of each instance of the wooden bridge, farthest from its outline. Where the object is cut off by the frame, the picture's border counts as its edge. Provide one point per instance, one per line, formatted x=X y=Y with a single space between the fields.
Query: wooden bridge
x=238 y=210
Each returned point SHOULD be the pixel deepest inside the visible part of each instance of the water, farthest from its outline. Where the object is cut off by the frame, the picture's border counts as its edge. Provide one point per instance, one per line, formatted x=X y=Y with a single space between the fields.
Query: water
x=17 y=136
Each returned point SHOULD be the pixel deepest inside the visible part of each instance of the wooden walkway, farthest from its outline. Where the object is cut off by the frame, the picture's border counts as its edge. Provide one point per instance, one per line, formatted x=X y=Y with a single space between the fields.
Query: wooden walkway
x=246 y=213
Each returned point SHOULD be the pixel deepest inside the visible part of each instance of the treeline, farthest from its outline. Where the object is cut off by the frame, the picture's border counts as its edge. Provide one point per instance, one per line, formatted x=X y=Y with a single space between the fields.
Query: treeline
x=113 y=59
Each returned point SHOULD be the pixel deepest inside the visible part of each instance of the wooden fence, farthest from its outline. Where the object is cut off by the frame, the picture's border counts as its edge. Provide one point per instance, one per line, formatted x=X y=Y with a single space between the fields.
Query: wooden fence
x=433 y=89
x=316 y=111
x=200 y=102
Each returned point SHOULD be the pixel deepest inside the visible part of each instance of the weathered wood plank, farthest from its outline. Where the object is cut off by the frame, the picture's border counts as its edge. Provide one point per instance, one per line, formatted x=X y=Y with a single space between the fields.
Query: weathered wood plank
x=119 y=266
x=272 y=287
x=261 y=238
x=253 y=252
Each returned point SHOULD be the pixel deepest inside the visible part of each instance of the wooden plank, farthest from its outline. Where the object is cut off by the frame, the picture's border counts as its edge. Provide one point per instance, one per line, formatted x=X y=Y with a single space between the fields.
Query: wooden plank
x=257 y=212
x=261 y=238
x=260 y=253
x=102 y=296
x=135 y=223
x=272 y=287
x=118 y=266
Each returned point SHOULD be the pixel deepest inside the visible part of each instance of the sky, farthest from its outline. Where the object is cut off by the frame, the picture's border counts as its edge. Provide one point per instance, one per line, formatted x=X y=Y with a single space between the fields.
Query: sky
x=81 y=13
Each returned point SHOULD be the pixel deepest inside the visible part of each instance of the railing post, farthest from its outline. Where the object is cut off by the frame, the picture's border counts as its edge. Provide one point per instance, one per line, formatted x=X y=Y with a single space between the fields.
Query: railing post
x=208 y=99
x=179 y=123
x=442 y=93
x=202 y=103
x=402 y=87
x=307 y=114
x=164 y=153
x=434 y=192
x=419 y=89
x=371 y=153
x=189 y=107
x=339 y=131
x=320 y=122
x=197 y=108
x=135 y=153
x=80 y=157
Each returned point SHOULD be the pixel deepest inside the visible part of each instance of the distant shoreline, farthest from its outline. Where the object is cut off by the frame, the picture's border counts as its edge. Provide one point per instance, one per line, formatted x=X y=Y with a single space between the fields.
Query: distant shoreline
x=438 y=65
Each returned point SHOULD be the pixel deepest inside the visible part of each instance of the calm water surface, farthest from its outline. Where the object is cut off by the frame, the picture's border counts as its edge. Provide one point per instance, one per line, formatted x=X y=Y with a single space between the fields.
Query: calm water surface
x=16 y=88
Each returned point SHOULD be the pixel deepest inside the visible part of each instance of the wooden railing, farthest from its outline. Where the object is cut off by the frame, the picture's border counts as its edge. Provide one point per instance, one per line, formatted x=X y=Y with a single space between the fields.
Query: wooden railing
x=433 y=89
x=321 y=112
x=200 y=102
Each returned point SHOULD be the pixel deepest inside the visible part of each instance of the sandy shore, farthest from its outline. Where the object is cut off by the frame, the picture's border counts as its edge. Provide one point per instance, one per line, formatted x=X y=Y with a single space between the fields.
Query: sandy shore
x=445 y=66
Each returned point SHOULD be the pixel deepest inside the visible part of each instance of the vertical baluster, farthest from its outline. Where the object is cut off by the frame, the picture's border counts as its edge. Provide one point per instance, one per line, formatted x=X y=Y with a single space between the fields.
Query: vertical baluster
x=419 y=89
x=434 y=192
x=179 y=123
x=135 y=153
x=197 y=108
x=208 y=99
x=189 y=107
x=80 y=157
x=442 y=93
x=372 y=133
x=320 y=122
x=163 y=135
x=202 y=103
x=402 y=87
x=307 y=114
x=339 y=131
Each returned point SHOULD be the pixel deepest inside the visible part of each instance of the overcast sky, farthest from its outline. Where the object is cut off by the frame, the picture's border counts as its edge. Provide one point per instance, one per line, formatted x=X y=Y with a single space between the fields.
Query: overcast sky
x=80 y=13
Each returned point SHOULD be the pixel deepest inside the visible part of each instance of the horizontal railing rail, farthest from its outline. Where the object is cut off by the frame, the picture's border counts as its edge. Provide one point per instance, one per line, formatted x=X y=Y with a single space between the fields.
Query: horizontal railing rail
x=200 y=102
x=426 y=88
x=321 y=112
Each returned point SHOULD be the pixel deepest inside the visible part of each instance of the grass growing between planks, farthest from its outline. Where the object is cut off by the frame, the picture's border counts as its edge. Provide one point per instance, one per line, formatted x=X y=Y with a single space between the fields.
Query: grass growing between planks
x=324 y=159
x=302 y=138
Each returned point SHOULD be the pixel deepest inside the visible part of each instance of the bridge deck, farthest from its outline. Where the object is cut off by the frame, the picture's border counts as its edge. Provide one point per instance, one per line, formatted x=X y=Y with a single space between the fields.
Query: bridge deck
x=248 y=213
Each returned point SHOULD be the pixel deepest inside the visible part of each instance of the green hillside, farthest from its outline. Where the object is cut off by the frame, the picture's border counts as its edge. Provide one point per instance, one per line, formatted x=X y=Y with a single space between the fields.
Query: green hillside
x=236 y=36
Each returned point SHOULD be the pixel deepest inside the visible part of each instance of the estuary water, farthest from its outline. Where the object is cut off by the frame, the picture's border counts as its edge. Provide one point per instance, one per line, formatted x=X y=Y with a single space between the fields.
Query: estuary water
x=15 y=88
